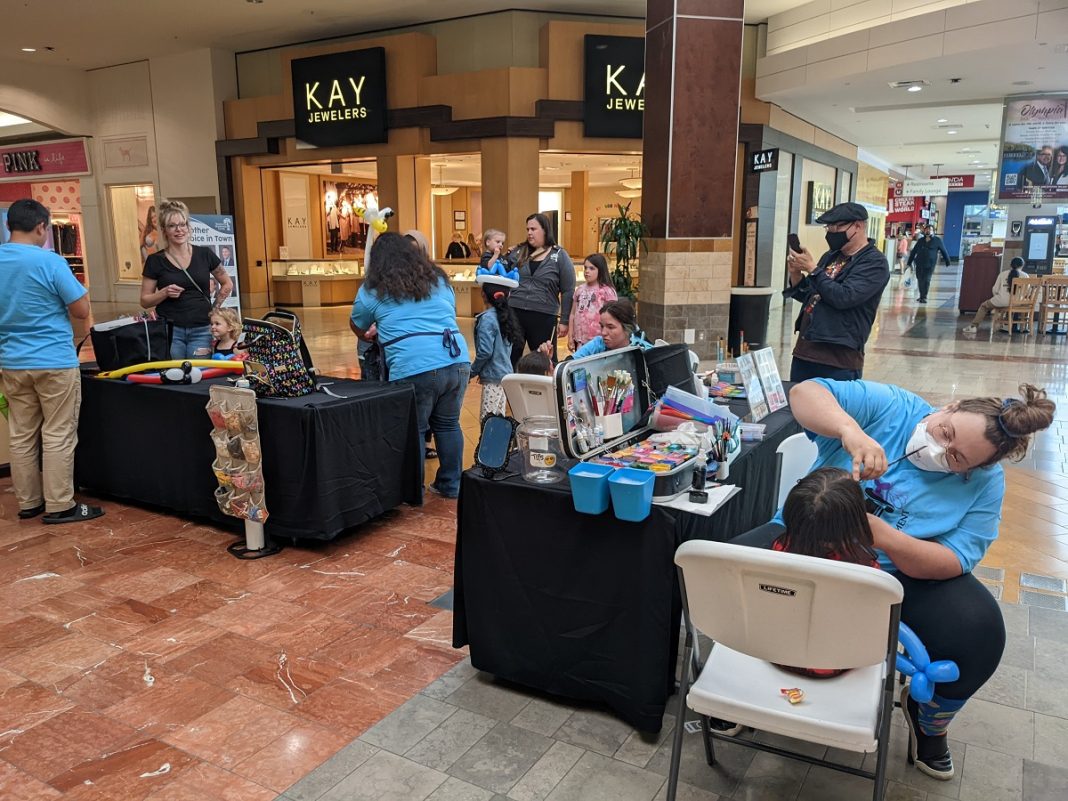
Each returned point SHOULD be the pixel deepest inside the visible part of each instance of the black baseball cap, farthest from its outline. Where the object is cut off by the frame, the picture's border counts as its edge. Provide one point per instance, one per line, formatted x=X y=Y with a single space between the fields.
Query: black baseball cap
x=842 y=213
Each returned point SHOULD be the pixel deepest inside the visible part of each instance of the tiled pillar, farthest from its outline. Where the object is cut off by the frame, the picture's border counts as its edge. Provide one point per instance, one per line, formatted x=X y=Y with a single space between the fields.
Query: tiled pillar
x=693 y=54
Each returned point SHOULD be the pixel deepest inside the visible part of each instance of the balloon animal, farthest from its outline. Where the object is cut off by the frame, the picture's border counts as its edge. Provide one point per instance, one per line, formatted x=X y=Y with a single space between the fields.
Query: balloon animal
x=375 y=218
x=916 y=663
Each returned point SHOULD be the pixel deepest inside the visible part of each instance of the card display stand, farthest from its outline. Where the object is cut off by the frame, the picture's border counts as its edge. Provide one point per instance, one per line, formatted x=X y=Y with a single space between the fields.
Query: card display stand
x=238 y=466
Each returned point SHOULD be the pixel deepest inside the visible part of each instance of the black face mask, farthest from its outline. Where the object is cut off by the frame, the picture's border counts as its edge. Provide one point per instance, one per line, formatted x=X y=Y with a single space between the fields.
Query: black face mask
x=836 y=240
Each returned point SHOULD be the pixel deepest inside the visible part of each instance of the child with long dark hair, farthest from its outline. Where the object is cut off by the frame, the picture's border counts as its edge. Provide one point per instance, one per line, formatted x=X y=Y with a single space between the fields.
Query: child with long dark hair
x=585 y=321
x=497 y=331
x=825 y=516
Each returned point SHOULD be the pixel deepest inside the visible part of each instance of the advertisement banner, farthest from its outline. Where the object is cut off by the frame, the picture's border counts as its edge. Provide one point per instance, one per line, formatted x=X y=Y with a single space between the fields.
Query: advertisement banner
x=216 y=231
x=1034 y=149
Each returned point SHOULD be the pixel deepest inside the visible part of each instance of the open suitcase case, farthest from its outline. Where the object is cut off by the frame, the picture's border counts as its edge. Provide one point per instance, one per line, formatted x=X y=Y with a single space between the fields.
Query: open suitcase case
x=584 y=407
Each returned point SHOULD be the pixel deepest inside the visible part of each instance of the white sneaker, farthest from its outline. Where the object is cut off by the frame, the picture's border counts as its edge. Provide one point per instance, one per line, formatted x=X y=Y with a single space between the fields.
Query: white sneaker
x=970 y=329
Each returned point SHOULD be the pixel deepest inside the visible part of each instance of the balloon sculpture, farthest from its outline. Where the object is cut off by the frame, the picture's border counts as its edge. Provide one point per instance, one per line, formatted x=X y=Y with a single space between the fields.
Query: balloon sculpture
x=498 y=273
x=375 y=218
x=916 y=663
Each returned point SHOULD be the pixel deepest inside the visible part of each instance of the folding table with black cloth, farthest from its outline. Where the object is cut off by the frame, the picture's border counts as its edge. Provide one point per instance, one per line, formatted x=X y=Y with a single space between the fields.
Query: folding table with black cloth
x=329 y=463
x=588 y=606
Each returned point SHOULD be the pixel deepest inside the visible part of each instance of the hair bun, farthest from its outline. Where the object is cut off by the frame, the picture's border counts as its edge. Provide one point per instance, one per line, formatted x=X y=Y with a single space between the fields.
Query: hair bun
x=1032 y=412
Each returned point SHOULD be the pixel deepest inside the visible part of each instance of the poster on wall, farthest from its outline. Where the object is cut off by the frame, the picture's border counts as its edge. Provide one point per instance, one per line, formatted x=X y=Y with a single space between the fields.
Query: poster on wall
x=343 y=228
x=216 y=232
x=1034 y=149
x=148 y=233
x=296 y=235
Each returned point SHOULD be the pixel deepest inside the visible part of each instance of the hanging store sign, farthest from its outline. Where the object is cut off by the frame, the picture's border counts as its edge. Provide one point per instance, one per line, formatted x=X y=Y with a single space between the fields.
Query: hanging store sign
x=916 y=187
x=340 y=98
x=764 y=160
x=957 y=181
x=68 y=158
x=615 y=86
x=902 y=205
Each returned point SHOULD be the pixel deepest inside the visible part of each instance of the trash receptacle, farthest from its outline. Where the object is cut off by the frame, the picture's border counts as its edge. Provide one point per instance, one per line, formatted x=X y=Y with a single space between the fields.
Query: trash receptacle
x=750 y=306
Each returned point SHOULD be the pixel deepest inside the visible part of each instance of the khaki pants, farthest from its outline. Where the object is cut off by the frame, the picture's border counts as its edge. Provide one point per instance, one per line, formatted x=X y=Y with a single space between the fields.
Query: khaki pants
x=43 y=407
x=984 y=309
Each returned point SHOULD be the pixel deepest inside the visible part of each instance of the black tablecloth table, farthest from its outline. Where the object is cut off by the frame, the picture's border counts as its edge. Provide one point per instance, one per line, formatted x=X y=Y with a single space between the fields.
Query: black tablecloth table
x=588 y=606
x=329 y=463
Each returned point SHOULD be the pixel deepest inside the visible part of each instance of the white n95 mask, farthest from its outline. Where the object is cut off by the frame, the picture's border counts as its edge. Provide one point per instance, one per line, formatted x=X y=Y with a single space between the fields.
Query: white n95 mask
x=930 y=454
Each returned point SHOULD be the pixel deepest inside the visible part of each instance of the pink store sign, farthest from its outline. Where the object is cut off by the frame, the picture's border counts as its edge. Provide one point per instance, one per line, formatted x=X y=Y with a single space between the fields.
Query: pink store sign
x=69 y=157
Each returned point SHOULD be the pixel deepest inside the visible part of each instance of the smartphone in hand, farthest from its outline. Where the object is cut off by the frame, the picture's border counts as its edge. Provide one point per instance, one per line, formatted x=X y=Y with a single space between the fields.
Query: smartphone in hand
x=794 y=242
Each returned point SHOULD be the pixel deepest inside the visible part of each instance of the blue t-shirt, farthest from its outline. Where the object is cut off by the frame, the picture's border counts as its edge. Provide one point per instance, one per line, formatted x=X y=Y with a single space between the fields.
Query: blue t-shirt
x=428 y=318
x=957 y=511
x=36 y=286
x=596 y=345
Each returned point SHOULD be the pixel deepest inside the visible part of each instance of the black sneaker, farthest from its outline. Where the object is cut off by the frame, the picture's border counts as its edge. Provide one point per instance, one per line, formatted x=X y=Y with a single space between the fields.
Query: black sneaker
x=725 y=727
x=928 y=753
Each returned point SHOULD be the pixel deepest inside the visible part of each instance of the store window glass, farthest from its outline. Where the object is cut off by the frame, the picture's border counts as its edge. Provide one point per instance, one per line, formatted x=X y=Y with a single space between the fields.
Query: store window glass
x=135 y=227
x=783 y=186
x=845 y=186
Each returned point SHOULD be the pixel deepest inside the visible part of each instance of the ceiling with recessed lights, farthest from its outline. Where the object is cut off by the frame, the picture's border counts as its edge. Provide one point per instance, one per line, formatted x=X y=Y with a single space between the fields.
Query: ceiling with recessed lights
x=107 y=32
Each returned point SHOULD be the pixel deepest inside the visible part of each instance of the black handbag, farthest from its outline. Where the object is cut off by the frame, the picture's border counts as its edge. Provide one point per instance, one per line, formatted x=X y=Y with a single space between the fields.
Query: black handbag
x=131 y=340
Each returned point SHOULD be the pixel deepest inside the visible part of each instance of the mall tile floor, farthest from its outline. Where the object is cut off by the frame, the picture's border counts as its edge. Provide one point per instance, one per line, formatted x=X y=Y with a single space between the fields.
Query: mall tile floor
x=138 y=660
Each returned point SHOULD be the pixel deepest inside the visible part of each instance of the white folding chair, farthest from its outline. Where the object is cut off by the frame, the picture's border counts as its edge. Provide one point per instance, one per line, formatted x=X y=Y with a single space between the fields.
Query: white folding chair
x=529 y=395
x=762 y=608
x=796 y=455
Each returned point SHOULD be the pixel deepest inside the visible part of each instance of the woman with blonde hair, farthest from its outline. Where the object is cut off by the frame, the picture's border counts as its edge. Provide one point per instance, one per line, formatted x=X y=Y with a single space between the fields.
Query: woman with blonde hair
x=177 y=281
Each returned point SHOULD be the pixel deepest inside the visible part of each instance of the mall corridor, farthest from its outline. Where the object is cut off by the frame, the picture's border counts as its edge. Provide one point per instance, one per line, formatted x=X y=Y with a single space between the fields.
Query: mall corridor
x=138 y=660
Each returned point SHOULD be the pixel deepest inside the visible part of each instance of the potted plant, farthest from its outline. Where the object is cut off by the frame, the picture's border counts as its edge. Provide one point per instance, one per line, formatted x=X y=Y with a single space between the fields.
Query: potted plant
x=623 y=236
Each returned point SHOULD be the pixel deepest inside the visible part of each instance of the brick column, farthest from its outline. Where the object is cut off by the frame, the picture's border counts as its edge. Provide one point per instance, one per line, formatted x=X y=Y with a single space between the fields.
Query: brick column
x=693 y=54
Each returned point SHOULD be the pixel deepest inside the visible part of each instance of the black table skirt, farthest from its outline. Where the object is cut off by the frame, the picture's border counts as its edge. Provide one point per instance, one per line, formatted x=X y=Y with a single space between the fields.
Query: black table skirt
x=328 y=463
x=586 y=606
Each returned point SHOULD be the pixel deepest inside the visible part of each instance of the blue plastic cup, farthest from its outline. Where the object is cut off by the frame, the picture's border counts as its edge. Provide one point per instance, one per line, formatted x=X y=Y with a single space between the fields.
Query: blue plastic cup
x=589 y=487
x=632 y=493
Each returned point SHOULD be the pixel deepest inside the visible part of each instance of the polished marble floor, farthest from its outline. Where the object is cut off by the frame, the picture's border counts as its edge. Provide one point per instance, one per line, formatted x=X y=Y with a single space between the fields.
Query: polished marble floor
x=139 y=661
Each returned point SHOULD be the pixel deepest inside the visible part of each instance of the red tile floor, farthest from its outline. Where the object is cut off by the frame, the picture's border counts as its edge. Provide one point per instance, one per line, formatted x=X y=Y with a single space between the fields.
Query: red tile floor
x=138 y=660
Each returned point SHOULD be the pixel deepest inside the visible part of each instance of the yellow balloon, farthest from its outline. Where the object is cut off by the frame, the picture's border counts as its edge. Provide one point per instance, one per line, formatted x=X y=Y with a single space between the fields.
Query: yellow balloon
x=359 y=212
x=381 y=226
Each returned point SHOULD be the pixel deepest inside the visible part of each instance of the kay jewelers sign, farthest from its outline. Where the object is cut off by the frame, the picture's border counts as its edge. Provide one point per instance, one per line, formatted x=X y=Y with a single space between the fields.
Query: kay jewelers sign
x=340 y=98
x=614 y=99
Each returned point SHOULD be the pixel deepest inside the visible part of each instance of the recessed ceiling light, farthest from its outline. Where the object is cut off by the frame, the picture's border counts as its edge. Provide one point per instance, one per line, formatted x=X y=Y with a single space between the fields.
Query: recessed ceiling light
x=29 y=50
x=915 y=89
x=951 y=132
x=942 y=119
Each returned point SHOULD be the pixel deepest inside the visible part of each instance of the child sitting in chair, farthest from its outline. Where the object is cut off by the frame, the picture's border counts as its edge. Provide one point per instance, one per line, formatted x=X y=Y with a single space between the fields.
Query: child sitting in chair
x=825 y=516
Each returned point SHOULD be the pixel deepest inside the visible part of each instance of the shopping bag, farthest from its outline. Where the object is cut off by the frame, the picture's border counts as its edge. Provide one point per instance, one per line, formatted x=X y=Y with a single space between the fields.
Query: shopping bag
x=276 y=343
x=130 y=340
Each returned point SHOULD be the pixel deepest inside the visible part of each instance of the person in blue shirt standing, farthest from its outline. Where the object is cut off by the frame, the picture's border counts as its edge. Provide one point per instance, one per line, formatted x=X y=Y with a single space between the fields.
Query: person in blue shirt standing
x=407 y=301
x=934 y=487
x=38 y=295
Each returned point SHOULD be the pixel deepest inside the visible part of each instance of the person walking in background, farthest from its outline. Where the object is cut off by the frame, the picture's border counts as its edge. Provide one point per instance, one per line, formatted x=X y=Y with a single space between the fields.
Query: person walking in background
x=1002 y=290
x=925 y=255
x=38 y=295
x=839 y=297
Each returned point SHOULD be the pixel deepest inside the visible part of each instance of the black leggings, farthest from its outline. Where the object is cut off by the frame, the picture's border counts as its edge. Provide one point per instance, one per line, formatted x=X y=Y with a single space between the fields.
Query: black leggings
x=538 y=327
x=955 y=619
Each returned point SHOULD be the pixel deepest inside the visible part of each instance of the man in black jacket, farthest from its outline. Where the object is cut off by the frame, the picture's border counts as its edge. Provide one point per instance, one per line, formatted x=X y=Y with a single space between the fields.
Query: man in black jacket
x=925 y=253
x=839 y=295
